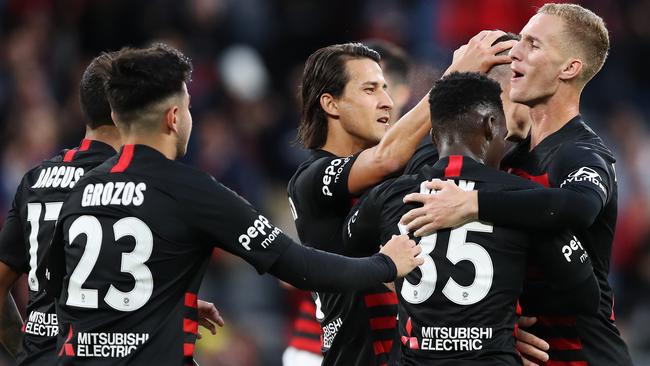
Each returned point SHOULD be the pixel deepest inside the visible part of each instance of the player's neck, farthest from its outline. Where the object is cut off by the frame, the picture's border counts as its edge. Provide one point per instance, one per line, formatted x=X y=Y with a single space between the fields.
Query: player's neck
x=551 y=115
x=106 y=134
x=340 y=143
x=447 y=148
x=165 y=146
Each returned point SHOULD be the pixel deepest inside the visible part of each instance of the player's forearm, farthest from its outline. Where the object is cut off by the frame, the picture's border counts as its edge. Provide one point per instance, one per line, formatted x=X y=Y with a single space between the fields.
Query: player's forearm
x=544 y=208
x=310 y=269
x=10 y=325
x=541 y=299
x=399 y=143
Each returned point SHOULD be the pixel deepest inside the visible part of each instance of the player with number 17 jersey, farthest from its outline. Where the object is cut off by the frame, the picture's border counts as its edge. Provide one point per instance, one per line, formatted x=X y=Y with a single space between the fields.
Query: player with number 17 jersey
x=459 y=308
x=27 y=233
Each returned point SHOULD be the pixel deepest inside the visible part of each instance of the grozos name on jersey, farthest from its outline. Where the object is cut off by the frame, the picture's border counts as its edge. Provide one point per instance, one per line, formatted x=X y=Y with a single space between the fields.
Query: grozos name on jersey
x=585 y=174
x=261 y=227
x=332 y=174
x=573 y=246
x=113 y=193
x=58 y=176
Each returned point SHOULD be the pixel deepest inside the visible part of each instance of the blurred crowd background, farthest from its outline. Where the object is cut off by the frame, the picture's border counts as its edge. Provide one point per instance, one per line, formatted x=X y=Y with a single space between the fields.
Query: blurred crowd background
x=248 y=57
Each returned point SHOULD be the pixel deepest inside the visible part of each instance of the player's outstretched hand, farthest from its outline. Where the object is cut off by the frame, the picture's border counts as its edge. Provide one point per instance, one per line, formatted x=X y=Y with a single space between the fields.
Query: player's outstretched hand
x=209 y=317
x=447 y=206
x=531 y=348
x=403 y=252
x=478 y=55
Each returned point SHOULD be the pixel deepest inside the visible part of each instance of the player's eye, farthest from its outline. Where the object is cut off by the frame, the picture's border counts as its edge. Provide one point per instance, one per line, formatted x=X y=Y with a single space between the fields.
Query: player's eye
x=369 y=90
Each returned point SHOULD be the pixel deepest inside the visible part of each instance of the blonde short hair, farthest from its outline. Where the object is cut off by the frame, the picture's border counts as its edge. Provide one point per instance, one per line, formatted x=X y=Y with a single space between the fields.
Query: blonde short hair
x=586 y=33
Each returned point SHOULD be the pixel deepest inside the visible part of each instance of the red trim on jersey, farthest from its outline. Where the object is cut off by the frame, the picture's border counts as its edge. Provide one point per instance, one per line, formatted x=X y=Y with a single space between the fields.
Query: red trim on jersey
x=454 y=166
x=565 y=343
x=191 y=300
x=541 y=179
x=190 y=326
x=22 y=329
x=307 y=326
x=188 y=349
x=382 y=346
x=566 y=363
x=384 y=322
x=69 y=155
x=611 y=315
x=85 y=145
x=386 y=298
x=306 y=344
x=125 y=159
x=557 y=321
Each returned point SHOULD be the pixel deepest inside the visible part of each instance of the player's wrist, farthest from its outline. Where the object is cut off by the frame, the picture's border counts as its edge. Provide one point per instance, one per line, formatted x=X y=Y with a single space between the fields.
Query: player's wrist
x=471 y=206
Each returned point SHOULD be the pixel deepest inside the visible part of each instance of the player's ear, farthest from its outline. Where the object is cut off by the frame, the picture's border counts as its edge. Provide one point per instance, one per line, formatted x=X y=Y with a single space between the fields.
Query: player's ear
x=329 y=105
x=171 y=120
x=571 y=70
x=489 y=126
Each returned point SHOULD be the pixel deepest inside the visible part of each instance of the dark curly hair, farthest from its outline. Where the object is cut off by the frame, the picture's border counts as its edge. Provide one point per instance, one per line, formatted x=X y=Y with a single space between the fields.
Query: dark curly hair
x=325 y=72
x=456 y=95
x=141 y=77
x=92 y=95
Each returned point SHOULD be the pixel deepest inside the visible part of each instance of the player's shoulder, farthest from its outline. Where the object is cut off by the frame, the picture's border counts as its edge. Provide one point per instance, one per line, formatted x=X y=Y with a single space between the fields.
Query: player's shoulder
x=319 y=170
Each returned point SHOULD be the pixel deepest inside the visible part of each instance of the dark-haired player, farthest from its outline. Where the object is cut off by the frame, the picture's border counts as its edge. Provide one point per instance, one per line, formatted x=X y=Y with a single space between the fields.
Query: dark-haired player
x=459 y=308
x=135 y=234
x=33 y=215
x=562 y=47
x=345 y=108
x=29 y=229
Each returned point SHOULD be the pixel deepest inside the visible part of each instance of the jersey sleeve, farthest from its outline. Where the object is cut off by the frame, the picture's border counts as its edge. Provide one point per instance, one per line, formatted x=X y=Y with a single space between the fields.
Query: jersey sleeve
x=565 y=261
x=361 y=230
x=12 y=247
x=581 y=169
x=325 y=182
x=226 y=220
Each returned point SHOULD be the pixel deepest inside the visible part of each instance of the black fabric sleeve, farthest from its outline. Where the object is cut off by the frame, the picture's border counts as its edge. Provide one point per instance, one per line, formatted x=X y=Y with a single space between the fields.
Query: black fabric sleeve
x=551 y=208
x=361 y=229
x=311 y=269
x=584 y=180
x=325 y=181
x=562 y=259
x=12 y=245
x=226 y=220
x=538 y=298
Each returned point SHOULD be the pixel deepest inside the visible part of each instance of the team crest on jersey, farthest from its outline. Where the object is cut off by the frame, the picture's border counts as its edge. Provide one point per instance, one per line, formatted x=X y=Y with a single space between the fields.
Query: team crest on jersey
x=585 y=174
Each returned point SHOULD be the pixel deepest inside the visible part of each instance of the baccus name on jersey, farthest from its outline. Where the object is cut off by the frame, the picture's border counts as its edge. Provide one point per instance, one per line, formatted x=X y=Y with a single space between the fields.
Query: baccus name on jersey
x=58 y=176
x=113 y=193
x=261 y=228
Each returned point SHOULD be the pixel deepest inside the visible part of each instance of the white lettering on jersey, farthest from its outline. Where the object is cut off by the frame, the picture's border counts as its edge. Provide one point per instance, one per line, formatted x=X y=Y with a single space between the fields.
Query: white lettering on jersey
x=113 y=194
x=332 y=174
x=330 y=330
x=454 y=338
x=42 y=324
x=58 y=176
x=261 y=227
x=572 y=247
x=109 y=345
x=585 y=174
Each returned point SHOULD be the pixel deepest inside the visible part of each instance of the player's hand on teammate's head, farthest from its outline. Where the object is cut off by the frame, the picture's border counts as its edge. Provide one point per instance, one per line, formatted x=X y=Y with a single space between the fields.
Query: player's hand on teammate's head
x=531 y=348
x=448 y=206
x=209 y=317
x=403 y=252
x=478 y=55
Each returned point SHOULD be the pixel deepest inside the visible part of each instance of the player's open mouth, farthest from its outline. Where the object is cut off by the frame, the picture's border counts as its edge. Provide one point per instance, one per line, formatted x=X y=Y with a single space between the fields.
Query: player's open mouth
x=383 y=120
x=516 y=75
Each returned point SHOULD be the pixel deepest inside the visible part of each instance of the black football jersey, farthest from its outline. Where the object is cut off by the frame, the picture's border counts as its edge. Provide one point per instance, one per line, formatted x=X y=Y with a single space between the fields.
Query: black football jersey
x=359 y=328
x=27 y=233
x=459 y=307
x=128 y=255
x=575 y=157
x=425 y=154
